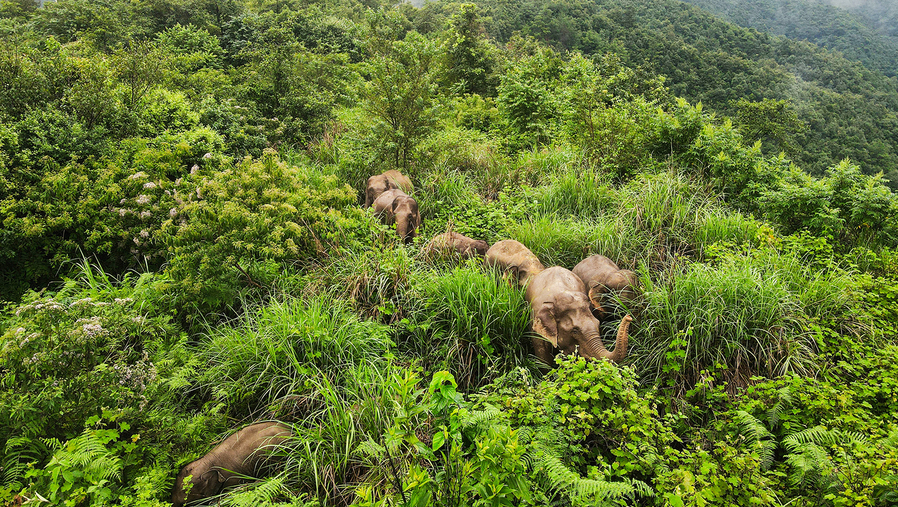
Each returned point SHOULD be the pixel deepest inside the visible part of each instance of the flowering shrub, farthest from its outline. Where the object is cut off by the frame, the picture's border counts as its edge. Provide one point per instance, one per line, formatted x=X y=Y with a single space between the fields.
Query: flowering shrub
x=67 y=357
x=236 y=227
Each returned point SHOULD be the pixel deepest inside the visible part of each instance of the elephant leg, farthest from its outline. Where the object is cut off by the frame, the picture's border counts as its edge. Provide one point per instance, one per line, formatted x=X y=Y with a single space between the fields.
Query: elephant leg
x=543 y=350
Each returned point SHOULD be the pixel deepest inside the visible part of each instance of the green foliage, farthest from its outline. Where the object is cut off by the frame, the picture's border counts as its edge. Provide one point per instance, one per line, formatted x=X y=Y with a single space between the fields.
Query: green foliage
x=469 y=59
x=85 y=470
x=240 y=223
x=722 y=475
x=702 y=312
x=115 y=138
x=398 y=95
x=470 y=325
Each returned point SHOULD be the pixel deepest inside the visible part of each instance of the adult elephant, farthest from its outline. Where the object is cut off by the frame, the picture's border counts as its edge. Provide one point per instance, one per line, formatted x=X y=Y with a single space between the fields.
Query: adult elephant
x=603 y=279
x=239 y=455
x=387 y=180
x=564 y=320
x=514 y=258
x=397 y=207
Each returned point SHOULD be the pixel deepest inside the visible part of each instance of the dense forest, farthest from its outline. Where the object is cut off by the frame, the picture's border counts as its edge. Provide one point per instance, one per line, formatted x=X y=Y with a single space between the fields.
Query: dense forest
x=824 y=25
x=879 y=14
x=833 y=108
x=186 y=250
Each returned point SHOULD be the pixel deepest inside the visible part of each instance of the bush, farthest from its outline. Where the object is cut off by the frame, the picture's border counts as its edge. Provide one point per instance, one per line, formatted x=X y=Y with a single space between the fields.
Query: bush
x=240 y=224
x=96 y=347
x=748 y=316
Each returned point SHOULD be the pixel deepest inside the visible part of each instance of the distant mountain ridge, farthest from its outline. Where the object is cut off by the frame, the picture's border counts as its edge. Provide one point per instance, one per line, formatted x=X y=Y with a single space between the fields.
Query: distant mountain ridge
x=820 y=23
x=880 y=14
x=849 y=110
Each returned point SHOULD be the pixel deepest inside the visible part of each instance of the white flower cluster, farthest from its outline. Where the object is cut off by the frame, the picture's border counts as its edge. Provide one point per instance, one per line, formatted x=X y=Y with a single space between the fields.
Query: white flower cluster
x=91 y=327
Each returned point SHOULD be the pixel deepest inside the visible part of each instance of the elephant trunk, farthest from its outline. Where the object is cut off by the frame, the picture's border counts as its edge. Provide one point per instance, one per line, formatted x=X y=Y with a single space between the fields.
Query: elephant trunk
x=594 y=347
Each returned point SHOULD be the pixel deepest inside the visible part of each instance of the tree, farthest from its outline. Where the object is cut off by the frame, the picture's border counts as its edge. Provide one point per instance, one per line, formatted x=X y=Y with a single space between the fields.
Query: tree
x=773 y=122
x=469 y=60
x=399 y=93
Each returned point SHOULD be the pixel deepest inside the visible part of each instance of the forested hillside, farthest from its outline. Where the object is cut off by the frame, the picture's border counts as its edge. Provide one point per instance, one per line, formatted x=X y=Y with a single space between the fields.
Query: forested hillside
x=880 y=14
x=835 y=108
x=186 y=250
x=816 y=22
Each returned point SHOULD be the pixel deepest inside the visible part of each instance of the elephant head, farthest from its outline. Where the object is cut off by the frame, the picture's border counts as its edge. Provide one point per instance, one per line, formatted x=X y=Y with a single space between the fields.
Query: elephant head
x=383 y=182
x=396 y=207
x=603 y=278
x=197 y=480
x=406 y=216
x=563 y=318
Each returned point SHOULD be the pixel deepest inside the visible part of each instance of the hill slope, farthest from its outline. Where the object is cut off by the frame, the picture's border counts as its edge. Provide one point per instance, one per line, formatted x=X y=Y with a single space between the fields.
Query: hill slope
x=849 y=110
x=822 y=24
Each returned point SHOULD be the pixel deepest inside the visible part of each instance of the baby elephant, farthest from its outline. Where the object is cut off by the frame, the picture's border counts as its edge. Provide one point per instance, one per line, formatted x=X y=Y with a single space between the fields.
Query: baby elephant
x=513 y=257
x=395 y=206
x=388 y=180
x=240 y=454
x=603 y=278
x=453 y=243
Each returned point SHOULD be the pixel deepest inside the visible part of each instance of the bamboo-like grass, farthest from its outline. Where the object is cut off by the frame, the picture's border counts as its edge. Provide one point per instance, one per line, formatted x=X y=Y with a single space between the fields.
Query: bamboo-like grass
x=314 y=363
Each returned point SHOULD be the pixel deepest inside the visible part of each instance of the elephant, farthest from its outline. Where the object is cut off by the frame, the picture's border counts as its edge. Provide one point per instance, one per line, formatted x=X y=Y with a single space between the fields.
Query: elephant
x=395 y=206
x=239 y=455
x=454 y=243
x=388 y=180
x=564 y=320
x=513 y=257
x=602 y=278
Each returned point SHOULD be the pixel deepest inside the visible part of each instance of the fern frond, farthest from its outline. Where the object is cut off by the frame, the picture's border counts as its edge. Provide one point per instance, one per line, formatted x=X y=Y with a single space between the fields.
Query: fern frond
x=261 y=494
x=603 y=490
x=810 y=466
x=752 y=426
x=642 y=489
x=559 y=475
x=477 y=417
x=18 y=453
x=818 y=435
x=371 y=449
x=754 y=429
x=784 y=402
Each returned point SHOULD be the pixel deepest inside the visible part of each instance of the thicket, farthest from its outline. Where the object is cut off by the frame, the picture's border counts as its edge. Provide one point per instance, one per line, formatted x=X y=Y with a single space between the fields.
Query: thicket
x=185 y=252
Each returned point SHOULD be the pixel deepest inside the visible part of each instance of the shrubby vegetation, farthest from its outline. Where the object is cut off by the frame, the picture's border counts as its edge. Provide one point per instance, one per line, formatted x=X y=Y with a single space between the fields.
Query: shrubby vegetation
x=184 y=251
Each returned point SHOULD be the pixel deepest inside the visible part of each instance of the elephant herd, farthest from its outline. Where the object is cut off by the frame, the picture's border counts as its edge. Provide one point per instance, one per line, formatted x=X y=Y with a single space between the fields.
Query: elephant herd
x=566 y=306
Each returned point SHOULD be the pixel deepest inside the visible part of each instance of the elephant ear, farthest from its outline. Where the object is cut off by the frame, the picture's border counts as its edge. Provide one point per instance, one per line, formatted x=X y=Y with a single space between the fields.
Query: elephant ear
x=544 y=323
x=395 y=204
x=595 y=296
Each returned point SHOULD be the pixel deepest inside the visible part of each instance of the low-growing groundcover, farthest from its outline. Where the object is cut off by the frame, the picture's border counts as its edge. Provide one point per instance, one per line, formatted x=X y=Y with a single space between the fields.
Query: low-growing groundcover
x=190 y=255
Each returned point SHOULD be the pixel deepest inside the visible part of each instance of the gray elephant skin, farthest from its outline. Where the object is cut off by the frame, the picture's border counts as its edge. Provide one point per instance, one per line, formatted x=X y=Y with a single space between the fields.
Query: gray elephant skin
x=453 y=243
x=514 y=258
x=242 y=453
x=388 y=180
x=603 y=279
x=563 y=317
x=396 y=207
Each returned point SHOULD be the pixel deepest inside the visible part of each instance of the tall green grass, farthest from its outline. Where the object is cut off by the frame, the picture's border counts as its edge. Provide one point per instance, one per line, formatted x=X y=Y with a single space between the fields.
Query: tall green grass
x=314 y=363
x=273 y=352
x=470 y=323
x=748 y=315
